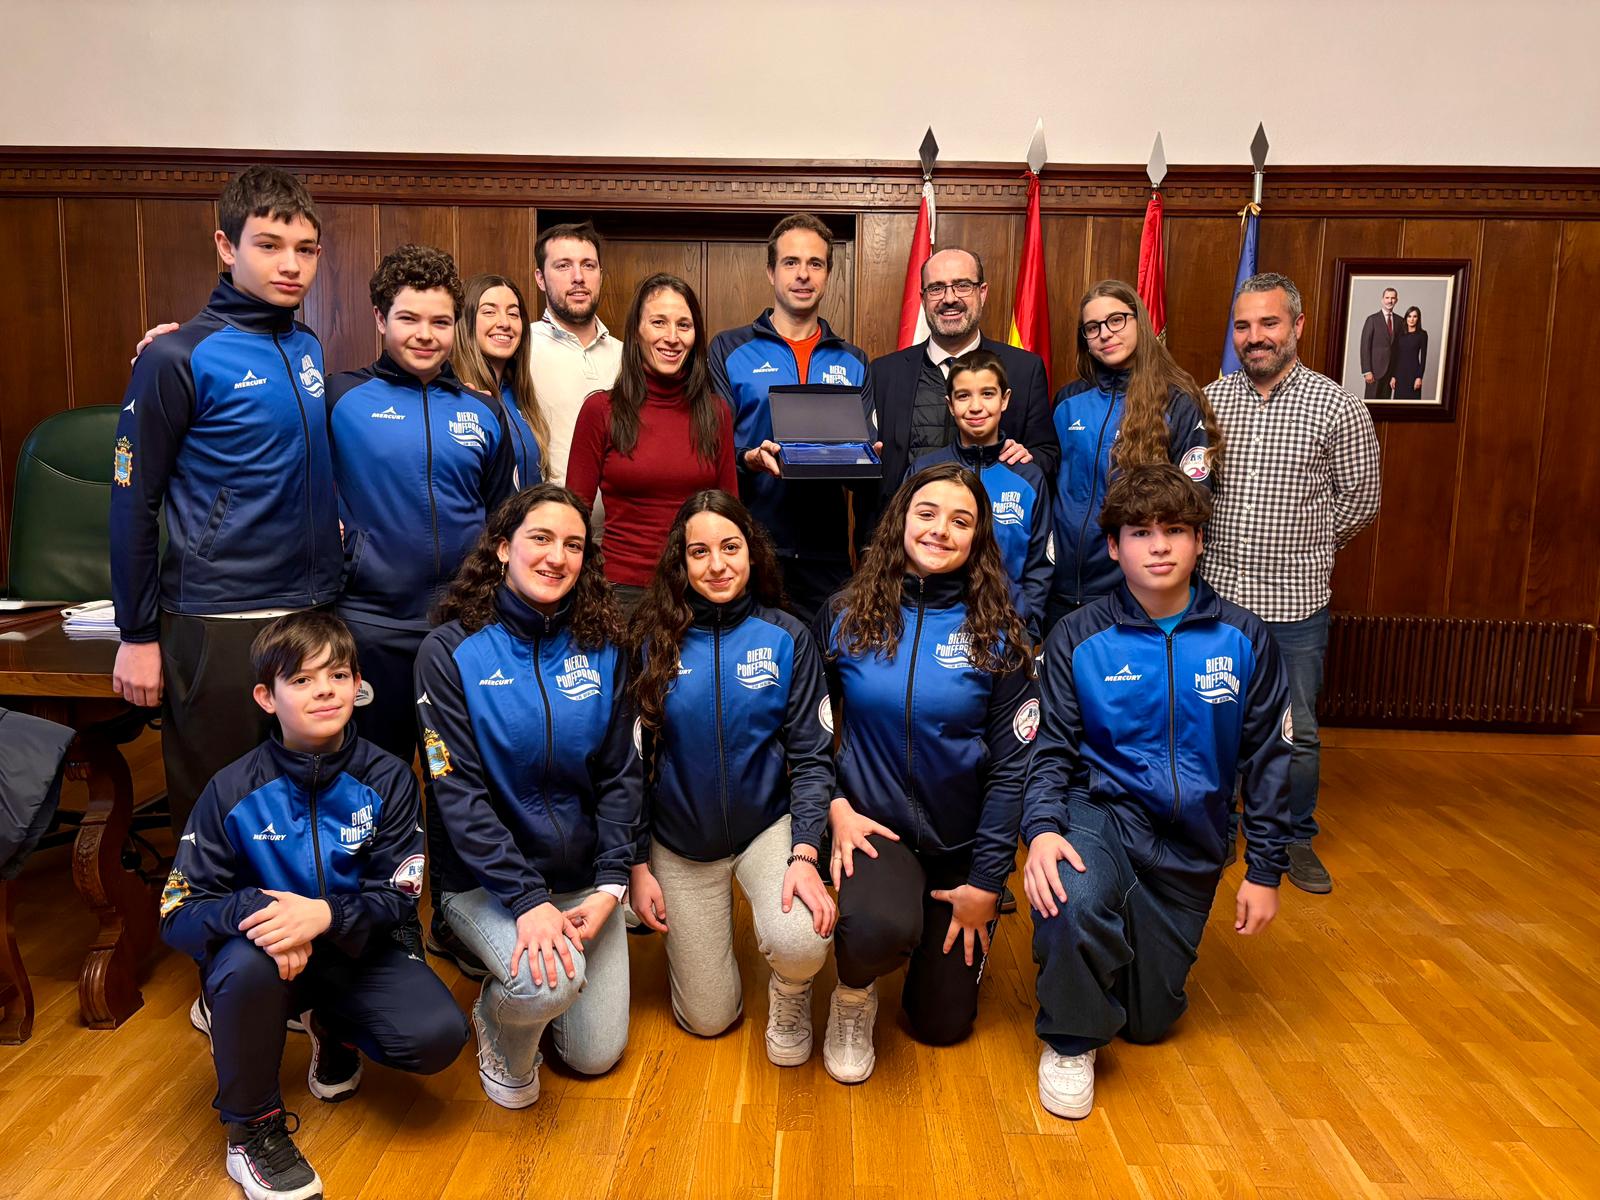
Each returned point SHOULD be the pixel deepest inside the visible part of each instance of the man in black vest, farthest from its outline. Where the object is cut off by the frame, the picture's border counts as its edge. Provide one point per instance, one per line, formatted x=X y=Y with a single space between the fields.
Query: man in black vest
x=913 y=416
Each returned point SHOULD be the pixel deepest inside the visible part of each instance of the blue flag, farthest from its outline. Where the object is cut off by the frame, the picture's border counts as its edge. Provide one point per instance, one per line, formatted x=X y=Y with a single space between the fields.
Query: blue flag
x=1247 y=268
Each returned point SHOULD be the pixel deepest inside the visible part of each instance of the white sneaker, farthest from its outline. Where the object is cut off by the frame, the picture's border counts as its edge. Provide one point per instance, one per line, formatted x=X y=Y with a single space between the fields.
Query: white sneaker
x=1066 y=1083
x=200 y=1015
x=788 y=1021
x=504 y=1088
x=847 y=1050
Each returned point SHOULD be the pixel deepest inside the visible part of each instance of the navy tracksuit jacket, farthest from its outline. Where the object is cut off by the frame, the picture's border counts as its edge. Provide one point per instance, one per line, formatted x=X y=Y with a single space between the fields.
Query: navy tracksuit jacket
x=1019 y=498
x=533 y=751
x=222 y=425
x=1088 y=419
x=1155 y=727
x=933 y=747
x=747 y=736
x=419 y=468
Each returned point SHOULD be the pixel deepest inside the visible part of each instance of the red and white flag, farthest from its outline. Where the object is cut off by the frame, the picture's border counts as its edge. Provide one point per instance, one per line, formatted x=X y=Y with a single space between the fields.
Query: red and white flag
x=913 y=320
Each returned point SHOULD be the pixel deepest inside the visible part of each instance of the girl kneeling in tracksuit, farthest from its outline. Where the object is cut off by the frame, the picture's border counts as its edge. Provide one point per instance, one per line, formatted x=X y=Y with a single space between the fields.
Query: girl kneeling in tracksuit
x=528 y=735
x=931 y=665
x=738 y=777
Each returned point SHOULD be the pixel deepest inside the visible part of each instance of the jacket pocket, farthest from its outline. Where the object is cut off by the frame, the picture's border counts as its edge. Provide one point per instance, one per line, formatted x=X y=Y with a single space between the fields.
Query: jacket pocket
x=355 y=547
x=219 y=513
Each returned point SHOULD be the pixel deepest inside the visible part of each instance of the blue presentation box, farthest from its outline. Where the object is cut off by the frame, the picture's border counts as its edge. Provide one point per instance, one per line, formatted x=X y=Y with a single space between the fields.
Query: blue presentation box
x=823 y=433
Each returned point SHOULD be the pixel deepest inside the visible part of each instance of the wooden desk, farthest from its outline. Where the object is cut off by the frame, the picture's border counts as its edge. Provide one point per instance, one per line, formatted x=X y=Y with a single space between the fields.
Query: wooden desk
x=68 y=680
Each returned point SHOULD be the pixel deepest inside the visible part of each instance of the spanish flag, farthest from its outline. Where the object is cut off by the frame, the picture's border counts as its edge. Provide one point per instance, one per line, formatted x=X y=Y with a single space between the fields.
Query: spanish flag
x=913 y=319
x=1030 y=315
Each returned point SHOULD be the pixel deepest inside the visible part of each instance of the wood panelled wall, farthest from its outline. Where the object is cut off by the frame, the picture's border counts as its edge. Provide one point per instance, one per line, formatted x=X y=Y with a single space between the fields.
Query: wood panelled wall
x=1490 y=515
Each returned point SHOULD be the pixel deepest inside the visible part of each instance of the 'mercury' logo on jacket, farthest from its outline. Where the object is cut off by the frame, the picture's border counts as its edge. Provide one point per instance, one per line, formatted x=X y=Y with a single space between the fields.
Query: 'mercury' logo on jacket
x=758 y=670
x=578 y=680
x=498 y=679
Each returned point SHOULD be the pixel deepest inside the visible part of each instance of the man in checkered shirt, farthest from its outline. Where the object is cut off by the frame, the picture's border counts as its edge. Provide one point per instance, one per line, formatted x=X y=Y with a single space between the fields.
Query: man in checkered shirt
x=1300 y=480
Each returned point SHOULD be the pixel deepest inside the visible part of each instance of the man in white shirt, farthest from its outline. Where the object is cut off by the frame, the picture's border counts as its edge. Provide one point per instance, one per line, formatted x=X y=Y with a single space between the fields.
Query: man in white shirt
x=570 y=351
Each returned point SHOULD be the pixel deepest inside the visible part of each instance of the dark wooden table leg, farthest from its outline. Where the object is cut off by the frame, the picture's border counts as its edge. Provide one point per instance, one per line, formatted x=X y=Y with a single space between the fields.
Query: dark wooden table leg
x=108 y=987
x=16 y=997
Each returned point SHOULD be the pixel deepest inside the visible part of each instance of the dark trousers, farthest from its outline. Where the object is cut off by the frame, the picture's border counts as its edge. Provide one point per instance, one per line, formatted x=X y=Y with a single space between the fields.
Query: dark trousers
x=1055 y=608
x=208 y=715
x=1116 y=956
x=887 y=919
x=1379 y=388
x=628 y=596
x=387 y=1004
x=387 y=657
x=810 y=581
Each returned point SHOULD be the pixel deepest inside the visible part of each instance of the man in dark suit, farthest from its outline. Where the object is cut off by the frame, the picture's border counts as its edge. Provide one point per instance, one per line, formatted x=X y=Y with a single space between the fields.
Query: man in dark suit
x=1377 y=347
x=913 y=417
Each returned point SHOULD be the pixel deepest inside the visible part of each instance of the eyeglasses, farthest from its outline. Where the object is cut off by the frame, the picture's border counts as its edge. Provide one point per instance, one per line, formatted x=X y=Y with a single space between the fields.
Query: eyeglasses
x=961 y=287
x=1112 y=324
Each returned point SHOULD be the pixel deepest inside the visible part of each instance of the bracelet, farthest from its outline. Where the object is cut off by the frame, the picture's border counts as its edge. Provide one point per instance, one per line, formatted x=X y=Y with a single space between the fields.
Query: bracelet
x=797 y=857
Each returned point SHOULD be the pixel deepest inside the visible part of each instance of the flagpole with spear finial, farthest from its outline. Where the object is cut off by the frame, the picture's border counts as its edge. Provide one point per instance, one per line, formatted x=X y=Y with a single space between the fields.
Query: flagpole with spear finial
x=1250 y=219
x=913 y=319
x=1030 y=311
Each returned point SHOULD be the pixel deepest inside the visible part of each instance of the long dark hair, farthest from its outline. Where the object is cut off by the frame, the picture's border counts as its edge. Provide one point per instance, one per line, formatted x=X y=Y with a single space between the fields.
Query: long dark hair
x=628 y=393
x=664 y=615
x=470 y=600
x=871 y=604
x=1153 y=375
x=472 y=366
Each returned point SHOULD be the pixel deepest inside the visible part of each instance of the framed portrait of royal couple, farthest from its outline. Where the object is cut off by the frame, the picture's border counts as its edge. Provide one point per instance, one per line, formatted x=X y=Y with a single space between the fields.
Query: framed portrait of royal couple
x=1399 y=325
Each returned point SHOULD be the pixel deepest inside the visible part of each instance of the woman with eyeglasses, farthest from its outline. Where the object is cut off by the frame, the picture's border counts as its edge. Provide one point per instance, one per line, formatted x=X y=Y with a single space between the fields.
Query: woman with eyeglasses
x=1131 y=405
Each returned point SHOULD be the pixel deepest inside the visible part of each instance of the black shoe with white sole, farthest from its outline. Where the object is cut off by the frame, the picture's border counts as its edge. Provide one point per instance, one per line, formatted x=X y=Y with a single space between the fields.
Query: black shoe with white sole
x=335 y=1071
x=442 y=942
x=265 y=1162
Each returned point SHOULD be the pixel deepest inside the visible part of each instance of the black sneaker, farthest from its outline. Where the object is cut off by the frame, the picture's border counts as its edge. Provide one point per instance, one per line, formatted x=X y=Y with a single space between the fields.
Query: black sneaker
x=1306 y=871
x=265 y=1162
x=335 y=1071
x=442 y=942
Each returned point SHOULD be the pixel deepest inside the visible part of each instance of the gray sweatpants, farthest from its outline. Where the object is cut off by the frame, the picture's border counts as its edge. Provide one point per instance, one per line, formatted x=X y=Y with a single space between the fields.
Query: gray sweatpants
x=706 y=995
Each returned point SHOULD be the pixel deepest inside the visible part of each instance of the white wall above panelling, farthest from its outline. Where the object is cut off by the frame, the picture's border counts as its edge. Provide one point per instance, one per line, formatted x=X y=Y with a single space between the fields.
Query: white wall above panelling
x=1467 y=82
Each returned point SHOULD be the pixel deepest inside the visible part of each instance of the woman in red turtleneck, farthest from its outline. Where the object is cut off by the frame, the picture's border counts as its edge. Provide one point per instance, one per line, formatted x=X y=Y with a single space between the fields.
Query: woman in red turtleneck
x=656 y=438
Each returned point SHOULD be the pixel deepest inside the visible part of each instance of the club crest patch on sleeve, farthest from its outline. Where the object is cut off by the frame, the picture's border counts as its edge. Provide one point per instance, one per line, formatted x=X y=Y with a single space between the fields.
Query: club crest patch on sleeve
x=825 y=714
x=1196 y=465
x=122 y=463
x=1025 y=724
x=437 y=754
x=1287 y=724
x=408 y=875
x=174 y=893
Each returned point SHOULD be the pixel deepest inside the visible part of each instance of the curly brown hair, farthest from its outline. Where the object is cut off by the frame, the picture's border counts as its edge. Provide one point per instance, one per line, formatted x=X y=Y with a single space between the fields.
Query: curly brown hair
x=596 y=620
x=1154 y=494
x=410 y=266
x=1153 y=375
x=664 y=615
x=871 y=600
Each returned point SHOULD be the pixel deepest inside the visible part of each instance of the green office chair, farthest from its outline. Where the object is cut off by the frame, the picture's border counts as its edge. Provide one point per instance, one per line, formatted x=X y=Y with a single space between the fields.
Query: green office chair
x=61 y=510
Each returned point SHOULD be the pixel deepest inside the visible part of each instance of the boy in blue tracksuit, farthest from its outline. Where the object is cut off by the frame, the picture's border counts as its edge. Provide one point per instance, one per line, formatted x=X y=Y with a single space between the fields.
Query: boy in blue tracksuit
x=978 y=393
x=789 y=343
x=1155 y=699
x=420 y=461
x=222 y=429
x=299 y=865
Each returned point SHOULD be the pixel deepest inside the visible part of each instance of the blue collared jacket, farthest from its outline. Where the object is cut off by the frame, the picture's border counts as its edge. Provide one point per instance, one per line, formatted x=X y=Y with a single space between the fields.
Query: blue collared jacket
x=533 y=750
x=1156 y=727
x=222 y=426
x=746 y=736
x=933 y=747
x=344 y=827
x=419 y=468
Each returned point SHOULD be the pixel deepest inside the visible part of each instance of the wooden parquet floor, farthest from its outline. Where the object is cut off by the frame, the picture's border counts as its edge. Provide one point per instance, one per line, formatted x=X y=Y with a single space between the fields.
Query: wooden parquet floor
x=1428 y=1030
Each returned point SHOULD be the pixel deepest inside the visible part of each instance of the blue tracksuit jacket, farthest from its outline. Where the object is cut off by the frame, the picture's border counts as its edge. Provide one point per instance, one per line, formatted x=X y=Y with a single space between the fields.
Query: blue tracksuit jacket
x=934 y=748
x=1088 y=419
x=419 y=468
x=342 y=827
x=524 y=446
x=1019 y=498
x=534 y=755
x=222 y=425
x=1155 y=727
x=807 y=518
x=744 y=739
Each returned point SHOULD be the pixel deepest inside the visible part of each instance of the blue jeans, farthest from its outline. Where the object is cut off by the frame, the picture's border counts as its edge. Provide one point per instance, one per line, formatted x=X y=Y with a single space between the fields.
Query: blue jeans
x=589 y=1013
x=1303 y=645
